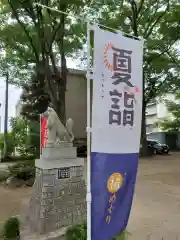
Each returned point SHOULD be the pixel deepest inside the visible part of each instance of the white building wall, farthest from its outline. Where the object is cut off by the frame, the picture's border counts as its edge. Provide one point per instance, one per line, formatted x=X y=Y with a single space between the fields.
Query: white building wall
x=161 y=106
x=157 y=111
x=18 y=109
x=151 y=119
x=151 y=110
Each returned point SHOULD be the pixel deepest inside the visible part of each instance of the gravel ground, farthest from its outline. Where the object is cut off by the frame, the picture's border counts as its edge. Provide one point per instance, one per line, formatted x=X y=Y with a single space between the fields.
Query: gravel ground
x=11 y=201
x=155 y=212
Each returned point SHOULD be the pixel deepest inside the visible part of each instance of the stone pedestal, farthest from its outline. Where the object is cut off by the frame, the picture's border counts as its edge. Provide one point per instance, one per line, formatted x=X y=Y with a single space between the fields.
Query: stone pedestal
x=59 y=193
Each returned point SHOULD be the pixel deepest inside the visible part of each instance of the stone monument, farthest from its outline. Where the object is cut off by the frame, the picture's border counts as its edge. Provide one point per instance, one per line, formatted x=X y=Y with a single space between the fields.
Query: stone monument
x=59 y=193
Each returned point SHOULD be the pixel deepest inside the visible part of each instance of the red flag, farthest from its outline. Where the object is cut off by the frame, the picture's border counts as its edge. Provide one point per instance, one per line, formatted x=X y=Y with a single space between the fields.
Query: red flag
x=44 y=132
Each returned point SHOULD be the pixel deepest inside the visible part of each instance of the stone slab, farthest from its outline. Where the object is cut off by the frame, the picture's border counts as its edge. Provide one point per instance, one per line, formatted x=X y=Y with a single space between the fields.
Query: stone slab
x=59 y=152
x=59 y=144
x=55 y=163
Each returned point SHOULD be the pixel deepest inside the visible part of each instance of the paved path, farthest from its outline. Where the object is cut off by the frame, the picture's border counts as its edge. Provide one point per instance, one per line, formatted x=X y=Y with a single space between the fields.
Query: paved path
x=155 y=212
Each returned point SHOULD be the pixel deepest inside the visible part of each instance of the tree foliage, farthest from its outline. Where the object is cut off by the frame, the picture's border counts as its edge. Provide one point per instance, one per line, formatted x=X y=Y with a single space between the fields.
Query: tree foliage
x=19 y=132
x=34 y=137
x=35 y=39
x=172 y=123
x=26 y=136
x=34 y=98
x=10 y=144
x=157 y=22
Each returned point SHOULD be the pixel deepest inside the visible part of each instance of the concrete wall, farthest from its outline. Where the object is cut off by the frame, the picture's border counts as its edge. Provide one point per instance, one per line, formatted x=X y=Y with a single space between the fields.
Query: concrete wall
x=76 y=103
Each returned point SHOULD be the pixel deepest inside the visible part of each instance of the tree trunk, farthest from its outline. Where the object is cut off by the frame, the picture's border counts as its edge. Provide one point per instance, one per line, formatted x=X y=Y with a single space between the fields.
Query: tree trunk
x=143 y=147
x=63 y=79
x=6 y=118
x=60 y=105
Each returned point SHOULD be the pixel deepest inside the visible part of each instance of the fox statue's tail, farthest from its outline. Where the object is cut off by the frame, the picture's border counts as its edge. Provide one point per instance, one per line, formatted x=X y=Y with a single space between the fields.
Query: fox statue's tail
x=69 y=127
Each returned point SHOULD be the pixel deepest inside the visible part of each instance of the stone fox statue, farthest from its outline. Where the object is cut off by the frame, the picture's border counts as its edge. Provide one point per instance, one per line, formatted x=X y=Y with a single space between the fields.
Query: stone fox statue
x=57 y=132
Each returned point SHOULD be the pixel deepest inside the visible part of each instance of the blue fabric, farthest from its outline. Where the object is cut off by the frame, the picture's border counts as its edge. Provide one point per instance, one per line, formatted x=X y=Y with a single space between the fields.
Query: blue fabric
x=104 y=224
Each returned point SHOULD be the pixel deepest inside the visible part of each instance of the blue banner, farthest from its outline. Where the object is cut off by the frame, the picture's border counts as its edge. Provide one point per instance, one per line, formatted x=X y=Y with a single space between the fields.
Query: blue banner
x=116 y=128
x=112 y=187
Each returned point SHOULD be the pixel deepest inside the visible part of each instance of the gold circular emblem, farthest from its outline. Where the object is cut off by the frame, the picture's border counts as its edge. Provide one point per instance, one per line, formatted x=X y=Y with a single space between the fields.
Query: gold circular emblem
x=114 y=182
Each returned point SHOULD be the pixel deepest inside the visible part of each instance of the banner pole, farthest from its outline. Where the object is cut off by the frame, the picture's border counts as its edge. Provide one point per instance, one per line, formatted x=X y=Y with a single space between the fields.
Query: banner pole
x=40 y=134
x=88 y=197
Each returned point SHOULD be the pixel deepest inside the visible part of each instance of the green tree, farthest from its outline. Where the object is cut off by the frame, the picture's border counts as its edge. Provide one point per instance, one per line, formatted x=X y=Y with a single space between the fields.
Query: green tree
x=10 y=144
x=26 y=136
x=19 y=132
x=34 y=137
x=35 y=40
x=172 y=124
x=157 y=21
x=34 y=98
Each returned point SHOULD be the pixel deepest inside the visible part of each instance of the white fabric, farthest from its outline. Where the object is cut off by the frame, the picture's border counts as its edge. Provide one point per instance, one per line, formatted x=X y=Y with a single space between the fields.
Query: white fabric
x=113 y=138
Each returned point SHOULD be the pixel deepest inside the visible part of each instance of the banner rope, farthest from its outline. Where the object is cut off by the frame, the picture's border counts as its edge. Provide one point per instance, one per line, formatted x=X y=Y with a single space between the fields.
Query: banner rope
x=82 y=19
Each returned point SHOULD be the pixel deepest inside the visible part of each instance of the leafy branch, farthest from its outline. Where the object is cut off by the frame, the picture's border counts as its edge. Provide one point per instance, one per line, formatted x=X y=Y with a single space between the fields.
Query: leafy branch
x=15 y=13
x=150 y=27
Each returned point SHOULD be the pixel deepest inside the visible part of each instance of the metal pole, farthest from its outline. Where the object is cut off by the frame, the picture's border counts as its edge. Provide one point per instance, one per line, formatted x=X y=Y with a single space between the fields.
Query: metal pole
x=0 y=118
x=6 y=115
x=40 y=131
x=88 y=198
x=1 y=152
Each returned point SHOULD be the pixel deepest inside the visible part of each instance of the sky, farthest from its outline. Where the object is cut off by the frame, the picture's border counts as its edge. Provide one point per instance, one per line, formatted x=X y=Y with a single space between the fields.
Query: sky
x=14 y=96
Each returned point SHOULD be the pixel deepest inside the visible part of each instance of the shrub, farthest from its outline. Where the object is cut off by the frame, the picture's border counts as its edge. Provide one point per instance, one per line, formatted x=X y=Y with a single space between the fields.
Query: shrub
x=23 y=170
x=79 y=232
x=3 y=175
x=11 y=229
x=121 y=236
x=19 y=158
x=10 y=144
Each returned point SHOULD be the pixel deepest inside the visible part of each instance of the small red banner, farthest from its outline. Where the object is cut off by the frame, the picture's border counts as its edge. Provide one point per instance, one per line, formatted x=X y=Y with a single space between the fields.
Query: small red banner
x=44 y=132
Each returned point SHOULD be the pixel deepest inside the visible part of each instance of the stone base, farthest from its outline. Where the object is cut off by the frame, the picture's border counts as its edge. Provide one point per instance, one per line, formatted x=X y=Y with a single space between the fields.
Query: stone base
x=58 y=199
x=57 y=164
x=61 y=151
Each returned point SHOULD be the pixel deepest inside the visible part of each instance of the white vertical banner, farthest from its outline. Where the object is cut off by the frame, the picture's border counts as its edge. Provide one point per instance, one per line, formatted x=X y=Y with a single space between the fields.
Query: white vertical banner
x=117 y=92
